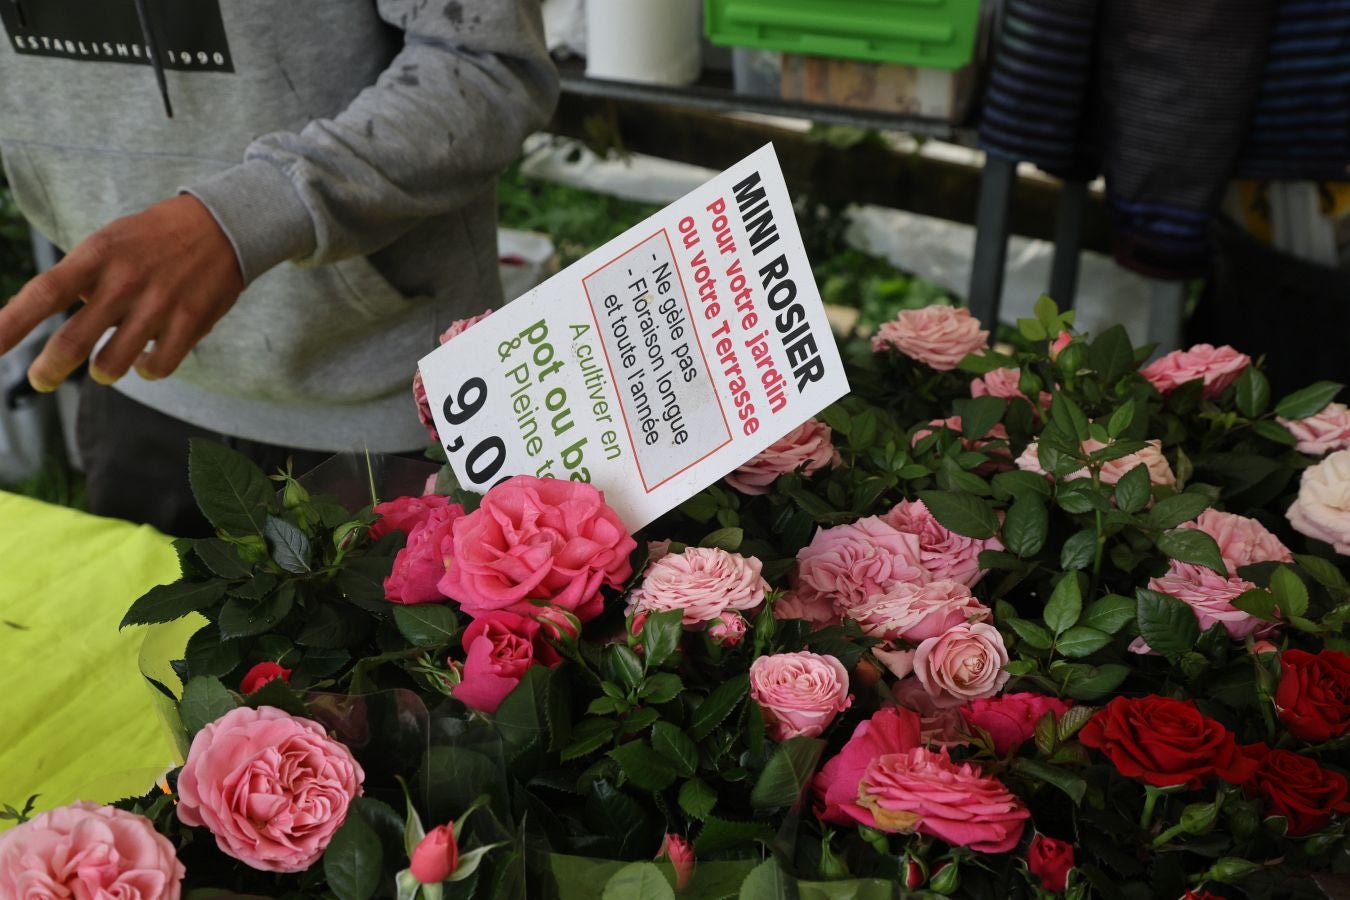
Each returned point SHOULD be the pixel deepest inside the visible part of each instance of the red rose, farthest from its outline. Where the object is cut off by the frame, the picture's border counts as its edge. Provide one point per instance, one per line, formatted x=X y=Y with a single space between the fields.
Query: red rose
x=1297 y=788
x=262 y=673
x=1165 y=742
x=1050 y=861
x=1314 y=694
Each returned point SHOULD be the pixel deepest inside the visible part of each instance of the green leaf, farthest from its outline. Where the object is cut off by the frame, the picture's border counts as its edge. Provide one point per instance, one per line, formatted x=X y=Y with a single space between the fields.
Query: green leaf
x=1173 y=511
x=230 y=489
x=979 y=415
x=1020 y=484
x=426 y=624
x=1112 y=354
x=718 y=705
x=788 y=773
x=1032 y=330
x=642 y=767
x=697 y=799
x=277 y=693
x=767 y=881
x=1134 y=489
x=1257 y=602
x=1290 y=592
x=588 y=736
x=204 y=701
x=207 y=654
x=1079 y=550
x=242 y=618
x=638 y=881
x=1026 y=526
x=625 y=666
x=1035 y=635
x=723 y=834
x=1044 y=733
x=1166 y=624
x=1065 y=604
x=966 y=515
x=1324 y=572
x=1096 y=681
x=675 y=747
x=288 y=544
x=332 y=626
x=1068 y=417
x=173 y=601
x=221 y=558
x=257 y=587
x=1253 y=392
x=1274 y=431
x=1308 y=402
x=661 y=634
x=354 y=861
x=1072 y=785
x=1121 y=419
x=728 y=539
x=1074 y=718
x=521 y=720
x=1110 y=613
x=1081 y=641
x=1191 y=545
x=662 y=687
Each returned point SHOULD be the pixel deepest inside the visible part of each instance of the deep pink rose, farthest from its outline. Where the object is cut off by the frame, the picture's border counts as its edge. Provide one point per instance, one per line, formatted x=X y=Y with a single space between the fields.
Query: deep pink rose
x=1323 y=433
x=404 y=513
x=271 y=787
x=939 y=336
x=420 y=565
x=262 y=673
x=1210 y=596
x=702 y=583
x=943 y=554
x=88 y=852
x=681 y=855
x=916 y=612
x=1322 y=510
x=420 y=390
x=807 y=448
x=727 y=629
x=499 y=647
x=1218 y=367
x=924 y=791
x=850 y=564
x=800 y=693
x=1011 y=718
x=965 y=663
x=538 y=539
x=890 y=730
x=436 y=856
x=1242 y=541
x=807 y=604
x=1159 y=470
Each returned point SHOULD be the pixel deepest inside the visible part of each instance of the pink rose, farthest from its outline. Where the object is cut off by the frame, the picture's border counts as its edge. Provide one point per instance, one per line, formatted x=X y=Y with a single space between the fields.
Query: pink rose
x=944 y=554
x=1159 y=470
x=1210 y=596
x=657 y=551
x=807 y=448
x=404 y=513
x=890 y=730
x=1058 y=344
x=436 y=856
x=1006 y=385
x=701 y=582
x=1325 y=432
x=924 y=791
x=681 y=855
x=538 y=539
x=916 y=612
x=1011 y=719
x=940 y=724
x=88 y=852
x=850 y=564
x=420 y=389
x=262 y=673
x=271 y=787
x=965 y=663
x=807 y=604
x=499 y=647
x=1217 y=366
x=1322 y=510
x=800 y=693
x=1242 y=541
x=953 y=424
x=420 y=565
x=727 y=629
x=940 y=336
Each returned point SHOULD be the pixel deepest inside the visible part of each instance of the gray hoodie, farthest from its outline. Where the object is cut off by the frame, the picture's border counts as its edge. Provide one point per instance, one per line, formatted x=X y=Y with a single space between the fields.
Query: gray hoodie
x=348 y=148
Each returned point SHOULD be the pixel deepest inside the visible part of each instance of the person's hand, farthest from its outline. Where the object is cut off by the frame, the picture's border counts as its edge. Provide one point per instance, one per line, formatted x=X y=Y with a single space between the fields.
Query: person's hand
x=165 y=275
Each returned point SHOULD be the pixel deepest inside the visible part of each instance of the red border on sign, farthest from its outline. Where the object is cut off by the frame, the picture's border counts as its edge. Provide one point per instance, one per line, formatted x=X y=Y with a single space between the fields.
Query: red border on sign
x=693 y=328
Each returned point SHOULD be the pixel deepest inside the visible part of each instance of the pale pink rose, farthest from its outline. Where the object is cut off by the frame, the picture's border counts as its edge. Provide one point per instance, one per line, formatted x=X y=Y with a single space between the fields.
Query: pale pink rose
x=1006 y=385
x=850 y=564
x=965 y=663
x=727 y=629
x=1242 y=541
x=807 y=604
x=702 y=583
x=420 y=565
x=943 y=554
x=1058 y=344
x=807 y=448
x=271 y=787
x=1325 y=432
x=1159 y=470
x=940 y=336
x=923 y=791
x=538 y=539
x=1011 y=719
x=88 y=852
x=916 y=612
x=1210 y=596
x=499 y=647
x=1217 y=366
x=940 y=724
x=800 y=693
x=890 y=730
x=420 y=389
x=681 y=855
x=900 y=663
x=1322 y=510
x=657 y=551
x=429 y=489
x=404 y=513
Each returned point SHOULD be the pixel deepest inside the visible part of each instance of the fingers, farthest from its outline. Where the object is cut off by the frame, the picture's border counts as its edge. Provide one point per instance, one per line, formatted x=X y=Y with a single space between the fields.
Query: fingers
x=67 y=348
x=171 y=347
x=44 y=296
x=124 y=348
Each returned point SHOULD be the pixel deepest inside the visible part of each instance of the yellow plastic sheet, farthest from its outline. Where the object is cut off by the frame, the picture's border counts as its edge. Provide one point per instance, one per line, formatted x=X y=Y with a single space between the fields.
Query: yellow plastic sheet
x=77 y=719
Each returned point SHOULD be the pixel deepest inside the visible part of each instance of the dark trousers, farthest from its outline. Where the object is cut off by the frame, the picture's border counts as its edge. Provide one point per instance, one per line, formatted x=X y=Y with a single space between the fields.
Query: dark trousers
x=136 y=461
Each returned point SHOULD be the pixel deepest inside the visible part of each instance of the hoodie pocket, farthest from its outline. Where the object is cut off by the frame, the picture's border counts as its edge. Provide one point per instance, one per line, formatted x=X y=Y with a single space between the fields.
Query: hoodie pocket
x=369 y=292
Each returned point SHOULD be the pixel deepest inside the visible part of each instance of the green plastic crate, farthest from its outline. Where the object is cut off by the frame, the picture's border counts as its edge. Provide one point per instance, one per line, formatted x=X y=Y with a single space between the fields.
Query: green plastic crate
x=937 y=34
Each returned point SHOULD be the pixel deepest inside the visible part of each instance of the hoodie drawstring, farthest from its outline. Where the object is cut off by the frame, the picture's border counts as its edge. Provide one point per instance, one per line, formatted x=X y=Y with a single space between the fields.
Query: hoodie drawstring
x=149 y=34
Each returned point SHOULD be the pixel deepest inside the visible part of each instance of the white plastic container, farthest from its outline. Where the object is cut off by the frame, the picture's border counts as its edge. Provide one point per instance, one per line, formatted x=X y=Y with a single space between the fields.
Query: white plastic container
x=650 y=41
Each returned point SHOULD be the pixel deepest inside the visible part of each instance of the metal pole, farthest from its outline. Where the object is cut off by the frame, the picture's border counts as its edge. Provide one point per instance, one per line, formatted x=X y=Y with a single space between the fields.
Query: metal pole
x=991 y=238
x=1068 y=242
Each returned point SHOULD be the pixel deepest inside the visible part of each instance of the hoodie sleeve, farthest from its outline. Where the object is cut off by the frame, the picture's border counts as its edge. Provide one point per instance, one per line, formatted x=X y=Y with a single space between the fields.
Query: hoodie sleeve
x=434 y=132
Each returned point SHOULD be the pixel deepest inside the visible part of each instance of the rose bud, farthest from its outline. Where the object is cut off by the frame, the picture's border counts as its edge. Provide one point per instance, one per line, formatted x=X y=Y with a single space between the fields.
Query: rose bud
x=913 y=874
x=436 y=857
x=946 y=879
x=262 y=673
x=1051 y=861
x=681 y=856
